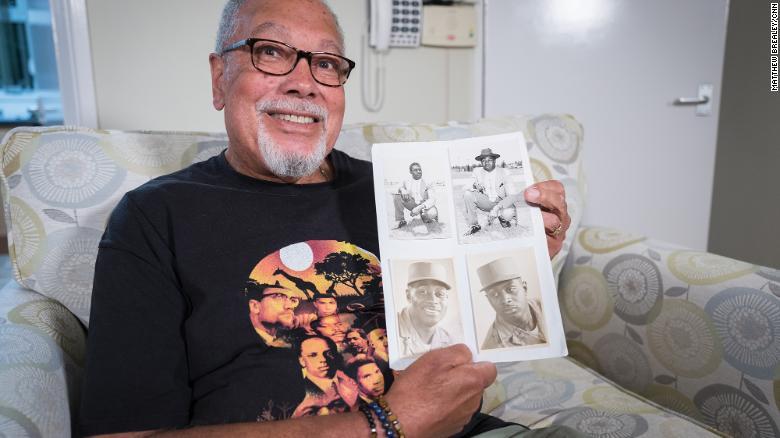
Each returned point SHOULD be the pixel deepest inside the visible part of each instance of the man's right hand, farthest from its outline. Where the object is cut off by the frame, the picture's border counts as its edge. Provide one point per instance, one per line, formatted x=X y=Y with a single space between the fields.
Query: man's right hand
x=440 y=392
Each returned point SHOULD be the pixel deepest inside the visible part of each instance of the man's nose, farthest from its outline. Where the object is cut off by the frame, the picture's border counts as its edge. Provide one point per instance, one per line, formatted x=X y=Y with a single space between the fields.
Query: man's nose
x=300 y=80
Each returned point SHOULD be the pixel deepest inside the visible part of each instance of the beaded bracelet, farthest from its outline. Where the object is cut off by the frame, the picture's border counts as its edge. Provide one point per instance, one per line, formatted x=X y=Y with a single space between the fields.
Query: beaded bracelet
x=392 y=417
x=389 y=420
x=371 y=425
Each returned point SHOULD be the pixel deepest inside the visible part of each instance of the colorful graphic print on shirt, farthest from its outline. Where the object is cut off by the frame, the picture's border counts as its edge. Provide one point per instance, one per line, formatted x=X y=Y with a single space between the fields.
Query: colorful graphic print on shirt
x=323 y=299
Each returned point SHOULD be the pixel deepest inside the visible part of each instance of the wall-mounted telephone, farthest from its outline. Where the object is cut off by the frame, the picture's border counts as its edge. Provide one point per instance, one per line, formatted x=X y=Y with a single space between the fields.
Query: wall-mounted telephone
x=391 y=23
x=395 y=23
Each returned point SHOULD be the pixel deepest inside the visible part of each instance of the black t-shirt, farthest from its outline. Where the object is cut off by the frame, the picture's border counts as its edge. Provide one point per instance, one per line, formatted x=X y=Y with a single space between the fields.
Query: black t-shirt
x=204 y=299
x=195 y=271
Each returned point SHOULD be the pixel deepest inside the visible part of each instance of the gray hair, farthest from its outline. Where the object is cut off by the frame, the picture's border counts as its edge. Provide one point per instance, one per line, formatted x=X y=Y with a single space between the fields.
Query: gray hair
x=229 y=22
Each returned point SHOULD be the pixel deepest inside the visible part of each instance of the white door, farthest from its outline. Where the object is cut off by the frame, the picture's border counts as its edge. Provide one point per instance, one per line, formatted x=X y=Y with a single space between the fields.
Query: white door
x=618 y=66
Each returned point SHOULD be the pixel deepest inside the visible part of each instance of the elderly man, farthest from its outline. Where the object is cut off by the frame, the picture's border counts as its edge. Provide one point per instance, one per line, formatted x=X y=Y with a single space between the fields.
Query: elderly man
x=170 y=345
x=427 y=293
x=490 y=192
x=519 y=319
x=416 y=196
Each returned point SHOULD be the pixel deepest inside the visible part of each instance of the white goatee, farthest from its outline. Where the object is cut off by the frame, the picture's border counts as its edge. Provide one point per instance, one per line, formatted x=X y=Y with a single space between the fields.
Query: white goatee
x=287 y=163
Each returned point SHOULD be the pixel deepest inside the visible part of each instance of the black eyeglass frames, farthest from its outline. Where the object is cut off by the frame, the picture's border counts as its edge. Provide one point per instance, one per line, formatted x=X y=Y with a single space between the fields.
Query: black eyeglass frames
x=278 y=59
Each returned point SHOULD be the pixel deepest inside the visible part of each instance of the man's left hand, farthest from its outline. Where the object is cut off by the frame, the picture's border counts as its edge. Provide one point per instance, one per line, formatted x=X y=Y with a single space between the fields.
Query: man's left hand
x=550 y=196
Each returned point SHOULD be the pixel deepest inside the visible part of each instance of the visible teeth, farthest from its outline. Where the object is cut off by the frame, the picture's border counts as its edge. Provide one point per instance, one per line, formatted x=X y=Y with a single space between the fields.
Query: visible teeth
x=293 y=118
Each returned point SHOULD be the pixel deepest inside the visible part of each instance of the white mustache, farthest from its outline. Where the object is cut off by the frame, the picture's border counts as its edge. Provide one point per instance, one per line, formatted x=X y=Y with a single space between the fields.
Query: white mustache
x=291 y=106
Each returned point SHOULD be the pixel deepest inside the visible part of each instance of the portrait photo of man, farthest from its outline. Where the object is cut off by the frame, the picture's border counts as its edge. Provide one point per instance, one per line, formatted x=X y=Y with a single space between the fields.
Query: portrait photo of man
x=487 y=196
x=417 y=197
x=518 y=319
x=428 y=296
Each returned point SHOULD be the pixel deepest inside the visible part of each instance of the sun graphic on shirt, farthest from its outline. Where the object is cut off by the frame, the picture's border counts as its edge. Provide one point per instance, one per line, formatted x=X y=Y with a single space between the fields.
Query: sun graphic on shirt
x=297 y=257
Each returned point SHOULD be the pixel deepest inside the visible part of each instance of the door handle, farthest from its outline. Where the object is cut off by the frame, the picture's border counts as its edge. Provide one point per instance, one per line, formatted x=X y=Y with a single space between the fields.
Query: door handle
x=703 y=102
x=691 y=100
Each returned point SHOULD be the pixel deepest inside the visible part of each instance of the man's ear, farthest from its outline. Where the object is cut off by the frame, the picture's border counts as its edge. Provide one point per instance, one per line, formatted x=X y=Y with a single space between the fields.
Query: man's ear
x=217 y=64
x=254 y=306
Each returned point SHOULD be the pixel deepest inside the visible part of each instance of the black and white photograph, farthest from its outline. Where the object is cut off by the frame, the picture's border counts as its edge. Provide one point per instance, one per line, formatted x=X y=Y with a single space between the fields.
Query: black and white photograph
x=506 y=300
x=416 y=196
x=426 y=298
x=488 y=183
x=484 y=276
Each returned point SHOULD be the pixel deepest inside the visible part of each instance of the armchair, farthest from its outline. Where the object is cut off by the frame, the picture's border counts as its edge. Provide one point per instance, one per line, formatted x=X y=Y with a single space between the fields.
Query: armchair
x=663 y=341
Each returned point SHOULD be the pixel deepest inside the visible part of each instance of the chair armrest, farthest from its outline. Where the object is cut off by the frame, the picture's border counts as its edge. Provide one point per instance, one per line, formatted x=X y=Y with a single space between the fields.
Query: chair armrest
x=41 y=363
x=693 y=331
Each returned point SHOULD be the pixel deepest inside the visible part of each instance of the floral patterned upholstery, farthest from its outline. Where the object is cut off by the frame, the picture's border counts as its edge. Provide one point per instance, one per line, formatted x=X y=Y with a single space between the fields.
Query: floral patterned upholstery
x=693 y=331
x=619 y=297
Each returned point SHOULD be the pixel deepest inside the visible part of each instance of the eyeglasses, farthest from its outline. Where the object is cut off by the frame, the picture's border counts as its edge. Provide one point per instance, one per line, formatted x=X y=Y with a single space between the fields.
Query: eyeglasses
x=278 y=59
x=276 y=296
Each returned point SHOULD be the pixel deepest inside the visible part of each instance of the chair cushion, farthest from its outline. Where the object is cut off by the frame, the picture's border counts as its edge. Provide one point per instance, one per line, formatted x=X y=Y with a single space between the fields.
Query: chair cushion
x=562 y=391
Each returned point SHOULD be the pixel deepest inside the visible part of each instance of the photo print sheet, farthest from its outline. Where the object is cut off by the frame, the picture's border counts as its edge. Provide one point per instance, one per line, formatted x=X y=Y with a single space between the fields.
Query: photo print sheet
x=464 y=256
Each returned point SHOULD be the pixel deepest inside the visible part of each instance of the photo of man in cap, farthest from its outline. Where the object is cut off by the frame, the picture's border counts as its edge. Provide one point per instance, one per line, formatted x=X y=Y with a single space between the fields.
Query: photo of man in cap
x=488 y=193
x=427 y=294
x=518 y=318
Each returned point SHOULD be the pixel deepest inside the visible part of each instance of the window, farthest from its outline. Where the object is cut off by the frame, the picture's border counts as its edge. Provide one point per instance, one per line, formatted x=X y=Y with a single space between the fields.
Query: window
x=29 y=89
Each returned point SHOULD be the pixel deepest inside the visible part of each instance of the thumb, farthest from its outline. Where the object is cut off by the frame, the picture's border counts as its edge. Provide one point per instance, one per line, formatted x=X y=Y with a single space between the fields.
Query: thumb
x=488 y=372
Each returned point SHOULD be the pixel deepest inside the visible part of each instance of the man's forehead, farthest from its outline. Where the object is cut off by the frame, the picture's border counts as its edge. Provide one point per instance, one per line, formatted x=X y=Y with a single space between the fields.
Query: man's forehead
x=427 y=283
x=316 y=344
x=367 y=367
x=506 y=283
x=279 y=32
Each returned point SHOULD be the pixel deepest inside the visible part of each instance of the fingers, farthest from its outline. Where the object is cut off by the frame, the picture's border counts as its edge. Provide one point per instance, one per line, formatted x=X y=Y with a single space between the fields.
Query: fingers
x=550 y=195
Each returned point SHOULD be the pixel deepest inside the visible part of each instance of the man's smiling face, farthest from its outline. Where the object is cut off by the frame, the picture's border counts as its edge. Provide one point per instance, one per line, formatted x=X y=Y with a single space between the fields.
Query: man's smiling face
x=427 y=301
x=268 y=117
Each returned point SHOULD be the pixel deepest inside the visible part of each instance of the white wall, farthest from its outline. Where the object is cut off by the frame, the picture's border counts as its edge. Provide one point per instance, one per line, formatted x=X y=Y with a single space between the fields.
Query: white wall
x=150 y=62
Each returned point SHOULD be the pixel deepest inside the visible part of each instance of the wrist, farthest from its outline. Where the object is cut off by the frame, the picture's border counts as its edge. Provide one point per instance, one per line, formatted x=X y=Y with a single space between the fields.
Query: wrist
x=386 y=421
